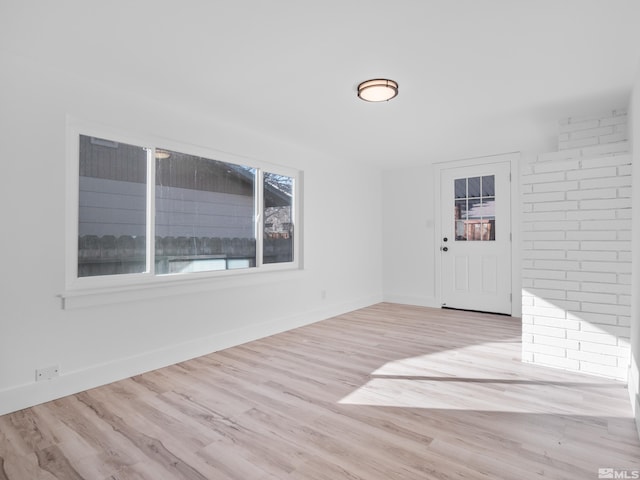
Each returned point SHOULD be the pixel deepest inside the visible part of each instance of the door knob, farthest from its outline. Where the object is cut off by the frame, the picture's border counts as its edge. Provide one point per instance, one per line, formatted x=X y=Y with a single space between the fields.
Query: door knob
x=444 y=249
x=445 y=239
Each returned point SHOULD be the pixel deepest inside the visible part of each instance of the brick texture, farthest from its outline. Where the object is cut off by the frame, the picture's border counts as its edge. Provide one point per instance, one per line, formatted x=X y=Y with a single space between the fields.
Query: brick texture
x=576 y=226
x=579 y=132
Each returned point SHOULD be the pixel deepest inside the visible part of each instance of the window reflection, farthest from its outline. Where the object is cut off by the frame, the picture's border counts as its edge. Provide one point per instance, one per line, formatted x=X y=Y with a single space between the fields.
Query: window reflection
x=473 y=187
x=488 y=186
x=205 y=212
x=474 y=208
x=112 y=208
x=460 y=188
x=278 y=218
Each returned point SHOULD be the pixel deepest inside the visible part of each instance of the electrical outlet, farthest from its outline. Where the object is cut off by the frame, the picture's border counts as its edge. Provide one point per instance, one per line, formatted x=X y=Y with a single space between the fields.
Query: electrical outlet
x=47 y=373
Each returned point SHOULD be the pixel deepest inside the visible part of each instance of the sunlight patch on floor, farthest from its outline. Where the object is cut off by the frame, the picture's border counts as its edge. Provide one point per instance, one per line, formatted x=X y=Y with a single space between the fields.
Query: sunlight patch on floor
x=454 y=362
x=455 y=380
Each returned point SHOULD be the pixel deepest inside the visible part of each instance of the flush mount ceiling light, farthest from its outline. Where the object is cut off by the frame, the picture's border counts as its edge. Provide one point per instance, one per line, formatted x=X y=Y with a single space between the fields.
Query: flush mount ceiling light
x=162 y=154
x=378 y=90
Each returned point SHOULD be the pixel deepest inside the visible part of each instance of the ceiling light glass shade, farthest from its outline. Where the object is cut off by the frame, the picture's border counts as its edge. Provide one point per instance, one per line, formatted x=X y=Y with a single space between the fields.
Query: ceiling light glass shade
x=378 y=90
x=162 y=154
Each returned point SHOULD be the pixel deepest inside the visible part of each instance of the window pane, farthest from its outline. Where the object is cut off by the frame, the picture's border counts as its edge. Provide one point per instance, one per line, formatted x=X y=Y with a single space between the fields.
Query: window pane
x=205 y=211
x=460 y=215
x=461 y=187
x=473 y=187
x=278 y=220
x=461 y=234
x=474 y=230
x=488 y=186
x=112 y=208
x=489 y=229
x=460 y=209
x=488 y=207
x=475 y=208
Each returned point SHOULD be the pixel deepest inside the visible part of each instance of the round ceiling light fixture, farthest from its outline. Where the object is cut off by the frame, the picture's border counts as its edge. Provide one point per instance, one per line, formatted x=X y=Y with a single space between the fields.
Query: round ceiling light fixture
x=162 y=154
x=378 y=90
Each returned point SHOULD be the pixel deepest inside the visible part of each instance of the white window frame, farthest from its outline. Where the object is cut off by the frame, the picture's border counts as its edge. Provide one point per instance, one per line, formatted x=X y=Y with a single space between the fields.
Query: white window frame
x=75 y=285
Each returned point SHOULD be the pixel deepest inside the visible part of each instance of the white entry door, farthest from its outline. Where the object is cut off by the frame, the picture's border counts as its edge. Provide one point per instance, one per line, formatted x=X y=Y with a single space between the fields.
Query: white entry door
x=475 y=243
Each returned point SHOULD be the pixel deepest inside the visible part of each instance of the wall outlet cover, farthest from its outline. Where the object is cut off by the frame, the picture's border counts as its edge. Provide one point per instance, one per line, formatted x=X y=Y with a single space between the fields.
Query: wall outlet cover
x=47 y=373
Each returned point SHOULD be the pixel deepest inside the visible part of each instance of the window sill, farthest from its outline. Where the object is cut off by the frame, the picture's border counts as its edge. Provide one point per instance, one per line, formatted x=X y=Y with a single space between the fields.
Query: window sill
x=73 y=299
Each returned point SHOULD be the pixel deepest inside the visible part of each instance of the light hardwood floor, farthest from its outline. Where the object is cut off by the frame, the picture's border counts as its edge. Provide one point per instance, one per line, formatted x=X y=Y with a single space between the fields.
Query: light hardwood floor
x=386 y=392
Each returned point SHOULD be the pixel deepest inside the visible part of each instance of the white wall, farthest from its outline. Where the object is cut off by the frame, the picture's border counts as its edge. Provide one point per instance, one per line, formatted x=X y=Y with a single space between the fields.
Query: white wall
x=98 y=344
x=576 y=206
x=634 y=371
x=408 y=236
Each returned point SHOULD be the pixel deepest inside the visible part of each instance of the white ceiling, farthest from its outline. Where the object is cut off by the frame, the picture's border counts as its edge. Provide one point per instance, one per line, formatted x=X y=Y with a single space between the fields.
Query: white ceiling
x=476 y=77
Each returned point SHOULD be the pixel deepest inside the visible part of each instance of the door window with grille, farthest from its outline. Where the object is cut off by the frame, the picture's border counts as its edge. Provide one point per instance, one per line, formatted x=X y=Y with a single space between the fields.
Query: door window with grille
x=474 y=212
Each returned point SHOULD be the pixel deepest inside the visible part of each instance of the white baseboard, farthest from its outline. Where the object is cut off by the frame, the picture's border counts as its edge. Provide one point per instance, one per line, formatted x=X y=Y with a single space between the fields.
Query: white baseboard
x=417 y=301
x=30 y=394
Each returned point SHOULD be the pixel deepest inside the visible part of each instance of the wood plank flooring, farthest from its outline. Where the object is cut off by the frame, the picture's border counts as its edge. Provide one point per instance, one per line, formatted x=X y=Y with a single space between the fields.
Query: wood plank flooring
x=386 y=392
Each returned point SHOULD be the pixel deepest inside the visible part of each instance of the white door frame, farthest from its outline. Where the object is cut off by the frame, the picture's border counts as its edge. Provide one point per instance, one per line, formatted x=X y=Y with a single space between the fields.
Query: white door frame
x=514 y=159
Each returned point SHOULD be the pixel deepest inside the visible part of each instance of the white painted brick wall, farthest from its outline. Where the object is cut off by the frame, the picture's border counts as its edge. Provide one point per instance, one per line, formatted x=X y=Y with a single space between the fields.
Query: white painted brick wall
x=576 y=212
x=579 y=132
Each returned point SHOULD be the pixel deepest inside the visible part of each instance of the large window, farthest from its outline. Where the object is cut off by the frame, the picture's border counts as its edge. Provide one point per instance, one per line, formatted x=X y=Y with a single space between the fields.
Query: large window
x=150 y=211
